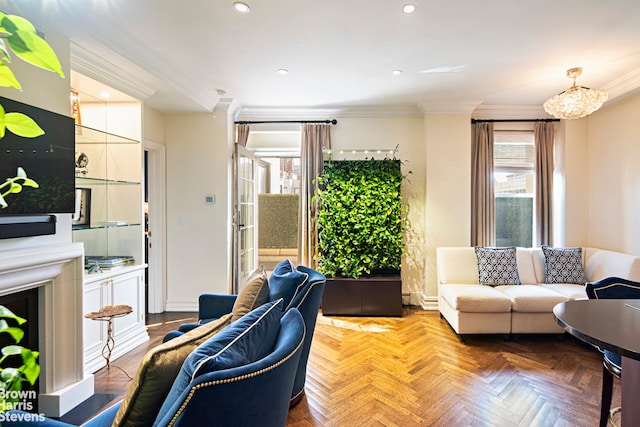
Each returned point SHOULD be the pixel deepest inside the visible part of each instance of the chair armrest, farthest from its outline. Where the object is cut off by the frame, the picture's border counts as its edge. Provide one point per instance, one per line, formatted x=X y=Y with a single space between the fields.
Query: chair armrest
x=186 y=327
x=212 y=306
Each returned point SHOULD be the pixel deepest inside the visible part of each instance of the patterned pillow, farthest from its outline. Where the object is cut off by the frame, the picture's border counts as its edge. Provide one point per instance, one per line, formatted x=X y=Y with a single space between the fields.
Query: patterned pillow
x=563 y=265
x=497 y=266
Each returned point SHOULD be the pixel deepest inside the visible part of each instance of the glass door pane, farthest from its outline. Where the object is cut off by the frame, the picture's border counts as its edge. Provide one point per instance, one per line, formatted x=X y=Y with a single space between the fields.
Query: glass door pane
x=245 y=254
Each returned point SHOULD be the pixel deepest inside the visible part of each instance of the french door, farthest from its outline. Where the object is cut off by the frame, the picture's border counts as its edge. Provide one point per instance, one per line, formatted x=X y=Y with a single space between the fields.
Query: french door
x=245 y=236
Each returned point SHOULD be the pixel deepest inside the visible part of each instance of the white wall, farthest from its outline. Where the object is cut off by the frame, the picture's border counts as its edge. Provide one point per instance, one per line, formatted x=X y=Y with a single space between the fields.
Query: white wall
x=407 y=134
x=153 y=123
x=197 y=234
x=614 y=176
x=571 y=159
x=448 y=193
x=48 y=91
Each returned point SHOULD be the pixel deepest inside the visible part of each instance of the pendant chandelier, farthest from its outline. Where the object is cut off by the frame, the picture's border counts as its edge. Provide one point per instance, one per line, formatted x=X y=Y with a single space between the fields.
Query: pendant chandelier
x=577 y=101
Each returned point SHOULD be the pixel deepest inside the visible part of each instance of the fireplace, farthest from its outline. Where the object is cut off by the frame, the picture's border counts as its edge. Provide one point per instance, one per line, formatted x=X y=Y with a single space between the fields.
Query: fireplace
x=55 y=274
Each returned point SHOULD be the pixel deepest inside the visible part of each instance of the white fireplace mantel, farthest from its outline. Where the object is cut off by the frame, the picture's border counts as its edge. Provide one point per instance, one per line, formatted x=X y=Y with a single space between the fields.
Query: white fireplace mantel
x=57 y=271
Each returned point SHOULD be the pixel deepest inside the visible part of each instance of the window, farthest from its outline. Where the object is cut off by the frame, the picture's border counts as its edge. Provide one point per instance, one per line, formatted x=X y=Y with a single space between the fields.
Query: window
x=514 y=156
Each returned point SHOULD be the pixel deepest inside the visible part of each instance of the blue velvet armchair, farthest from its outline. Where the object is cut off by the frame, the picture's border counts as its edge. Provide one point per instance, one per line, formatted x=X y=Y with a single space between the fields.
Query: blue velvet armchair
x=302 y=288
x=611 y=288
x=252 y=394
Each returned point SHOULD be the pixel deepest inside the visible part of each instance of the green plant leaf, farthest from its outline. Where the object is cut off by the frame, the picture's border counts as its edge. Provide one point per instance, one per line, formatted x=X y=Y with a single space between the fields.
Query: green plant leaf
x=15 y=188
x=10 y=375
x=11 y=350
x=22 y=125
x=30 y=367
x=2 y=126
x=3 y=203
x=33 y=49
x=16 y=333
x=7 y=78
x=5 y=313
x=3 y=47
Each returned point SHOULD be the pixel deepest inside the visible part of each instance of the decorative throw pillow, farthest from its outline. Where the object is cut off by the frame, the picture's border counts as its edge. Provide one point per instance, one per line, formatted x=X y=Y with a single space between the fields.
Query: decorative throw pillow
x=286 y=282
x=244 y=341
x=253 y=294
x=156 y=373
x=563 y=265
x=497 y=266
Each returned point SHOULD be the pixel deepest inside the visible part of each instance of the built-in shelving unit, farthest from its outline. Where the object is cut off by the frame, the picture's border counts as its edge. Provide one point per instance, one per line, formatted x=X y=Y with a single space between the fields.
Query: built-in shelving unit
x=109 y=221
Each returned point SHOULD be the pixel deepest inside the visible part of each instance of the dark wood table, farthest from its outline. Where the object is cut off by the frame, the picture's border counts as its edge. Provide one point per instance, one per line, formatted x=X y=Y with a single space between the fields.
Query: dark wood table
x=610 y=324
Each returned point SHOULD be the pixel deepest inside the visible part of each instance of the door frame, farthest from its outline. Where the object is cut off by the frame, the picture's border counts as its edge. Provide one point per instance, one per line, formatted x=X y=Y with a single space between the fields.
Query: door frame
x=157 y=271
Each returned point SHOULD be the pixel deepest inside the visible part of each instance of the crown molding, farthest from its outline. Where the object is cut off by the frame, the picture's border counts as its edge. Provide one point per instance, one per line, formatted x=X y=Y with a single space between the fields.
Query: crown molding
x=310 y=113
x=97 y=68
x=623 y=84
x=510 y=112
x=462 y=107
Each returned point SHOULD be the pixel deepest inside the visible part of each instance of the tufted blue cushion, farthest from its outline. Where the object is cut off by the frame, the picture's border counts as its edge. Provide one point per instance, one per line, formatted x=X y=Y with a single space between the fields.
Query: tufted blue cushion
x=497 y=266
x=563 y=265
x=286 y=282
x=244 y=341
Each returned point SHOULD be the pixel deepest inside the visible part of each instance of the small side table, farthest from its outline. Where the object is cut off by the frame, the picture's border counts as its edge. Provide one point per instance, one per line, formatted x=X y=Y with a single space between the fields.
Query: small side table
x=107 y=314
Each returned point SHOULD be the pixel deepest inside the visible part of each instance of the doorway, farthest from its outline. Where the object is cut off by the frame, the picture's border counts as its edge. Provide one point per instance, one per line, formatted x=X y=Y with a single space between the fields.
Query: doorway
x=277 y=154
x=155 y=224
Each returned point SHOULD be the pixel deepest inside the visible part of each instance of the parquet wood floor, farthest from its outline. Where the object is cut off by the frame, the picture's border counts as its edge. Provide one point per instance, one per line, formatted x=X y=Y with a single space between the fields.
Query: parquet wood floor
x=415 y=371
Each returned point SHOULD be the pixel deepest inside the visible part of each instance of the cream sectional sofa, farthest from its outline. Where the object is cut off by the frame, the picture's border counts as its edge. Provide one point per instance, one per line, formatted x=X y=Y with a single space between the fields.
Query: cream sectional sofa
x=471 y=308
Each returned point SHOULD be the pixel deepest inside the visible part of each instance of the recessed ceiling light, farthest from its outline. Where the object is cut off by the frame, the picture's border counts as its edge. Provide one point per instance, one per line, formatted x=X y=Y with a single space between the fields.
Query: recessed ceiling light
x=396 y=72
x=104 y=94
x=408 y=8
x=283 y=71
x=241 y=7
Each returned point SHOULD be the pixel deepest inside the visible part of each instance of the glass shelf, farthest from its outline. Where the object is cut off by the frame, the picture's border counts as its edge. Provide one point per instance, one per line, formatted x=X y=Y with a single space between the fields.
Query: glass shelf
x=103 y=181
x=112 y=224
x=86 y=135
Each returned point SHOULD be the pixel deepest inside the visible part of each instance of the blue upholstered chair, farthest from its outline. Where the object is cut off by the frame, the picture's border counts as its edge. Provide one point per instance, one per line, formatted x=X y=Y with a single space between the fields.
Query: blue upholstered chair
x=300 y=287
x=252 y=394
x=611 y=288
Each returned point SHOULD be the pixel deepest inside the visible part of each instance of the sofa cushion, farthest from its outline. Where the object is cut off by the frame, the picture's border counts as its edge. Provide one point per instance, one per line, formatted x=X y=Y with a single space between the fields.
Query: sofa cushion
x=497 y=266
x=569 y=290
x=156 y=373
x=563 y=265
x=244 y=341
x=526 y=270
x=286 y=282
x=531 y=298
x=252 y=295
x=475 y=298
x=457 y=265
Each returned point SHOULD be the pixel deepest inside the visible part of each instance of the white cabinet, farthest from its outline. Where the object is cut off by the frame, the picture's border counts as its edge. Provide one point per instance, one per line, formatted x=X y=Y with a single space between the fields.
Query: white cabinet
x=115 y=287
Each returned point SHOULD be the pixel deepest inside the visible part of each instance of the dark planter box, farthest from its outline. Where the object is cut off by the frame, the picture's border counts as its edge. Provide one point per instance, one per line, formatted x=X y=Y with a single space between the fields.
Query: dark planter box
x=365 y=296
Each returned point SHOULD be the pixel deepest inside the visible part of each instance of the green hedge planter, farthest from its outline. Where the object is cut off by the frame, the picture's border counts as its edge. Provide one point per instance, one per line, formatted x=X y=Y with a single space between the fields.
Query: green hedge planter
x=361 y=224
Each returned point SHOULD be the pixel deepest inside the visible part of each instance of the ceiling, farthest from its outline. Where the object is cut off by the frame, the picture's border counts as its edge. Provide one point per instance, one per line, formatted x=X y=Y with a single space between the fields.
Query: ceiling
x=455 y=55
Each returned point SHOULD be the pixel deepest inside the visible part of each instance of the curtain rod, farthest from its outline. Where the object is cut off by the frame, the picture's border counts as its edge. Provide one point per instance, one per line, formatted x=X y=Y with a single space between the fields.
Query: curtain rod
x=249 y=122
x=512 y=120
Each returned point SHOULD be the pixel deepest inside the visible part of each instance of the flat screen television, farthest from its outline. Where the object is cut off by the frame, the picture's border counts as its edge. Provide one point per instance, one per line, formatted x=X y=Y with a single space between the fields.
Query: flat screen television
x=48 y=159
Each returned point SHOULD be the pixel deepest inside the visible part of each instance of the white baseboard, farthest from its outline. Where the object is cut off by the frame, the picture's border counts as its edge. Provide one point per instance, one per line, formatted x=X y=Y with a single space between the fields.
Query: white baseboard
x=182 y=306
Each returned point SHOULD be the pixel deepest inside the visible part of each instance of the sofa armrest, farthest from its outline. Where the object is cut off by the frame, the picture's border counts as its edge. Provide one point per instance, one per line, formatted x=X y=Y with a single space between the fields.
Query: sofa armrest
x=213 y=306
